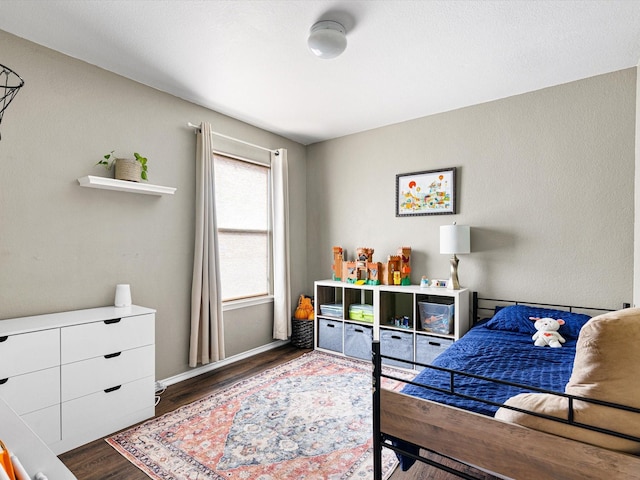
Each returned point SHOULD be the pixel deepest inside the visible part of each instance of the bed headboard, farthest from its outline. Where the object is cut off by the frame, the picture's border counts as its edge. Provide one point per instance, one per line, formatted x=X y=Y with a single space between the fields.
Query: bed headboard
x=486 y=307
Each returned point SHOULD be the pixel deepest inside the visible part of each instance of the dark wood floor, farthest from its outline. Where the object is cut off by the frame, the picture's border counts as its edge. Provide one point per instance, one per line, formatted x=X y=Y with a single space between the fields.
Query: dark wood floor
x=98 y=461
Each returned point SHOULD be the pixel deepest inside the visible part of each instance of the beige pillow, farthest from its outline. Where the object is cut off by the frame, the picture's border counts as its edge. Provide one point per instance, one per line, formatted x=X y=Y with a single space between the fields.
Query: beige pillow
x=606 y=367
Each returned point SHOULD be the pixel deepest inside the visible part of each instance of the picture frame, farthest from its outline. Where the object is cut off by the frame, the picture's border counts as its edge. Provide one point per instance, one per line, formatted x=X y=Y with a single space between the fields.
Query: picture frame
x=430 y=192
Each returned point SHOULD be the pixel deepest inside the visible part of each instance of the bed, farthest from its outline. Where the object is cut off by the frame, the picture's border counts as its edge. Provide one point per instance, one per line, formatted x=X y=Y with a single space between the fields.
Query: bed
x=448 y=409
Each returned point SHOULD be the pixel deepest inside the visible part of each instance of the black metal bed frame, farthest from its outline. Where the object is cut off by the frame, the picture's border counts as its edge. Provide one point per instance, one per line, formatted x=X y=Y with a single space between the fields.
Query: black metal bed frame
x=382 y=440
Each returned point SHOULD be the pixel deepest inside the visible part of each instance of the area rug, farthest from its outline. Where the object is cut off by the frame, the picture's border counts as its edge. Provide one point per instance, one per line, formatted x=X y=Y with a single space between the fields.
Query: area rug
x=309 y=418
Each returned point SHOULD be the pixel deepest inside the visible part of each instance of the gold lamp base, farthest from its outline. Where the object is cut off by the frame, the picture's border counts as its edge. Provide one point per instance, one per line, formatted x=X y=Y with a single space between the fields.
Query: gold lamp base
x=454 y=284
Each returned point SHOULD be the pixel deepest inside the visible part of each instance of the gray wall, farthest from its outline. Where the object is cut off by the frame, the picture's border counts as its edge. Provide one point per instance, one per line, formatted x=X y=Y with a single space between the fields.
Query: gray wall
x=63 y=247
x=545 y=179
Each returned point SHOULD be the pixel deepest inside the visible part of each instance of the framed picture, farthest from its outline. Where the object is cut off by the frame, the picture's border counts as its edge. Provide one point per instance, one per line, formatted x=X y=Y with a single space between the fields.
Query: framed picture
x=432 y=192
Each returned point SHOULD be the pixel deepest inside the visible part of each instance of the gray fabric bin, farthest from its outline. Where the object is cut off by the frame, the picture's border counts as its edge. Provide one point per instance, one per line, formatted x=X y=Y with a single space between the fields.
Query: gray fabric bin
x=357 y=341
x=428 y=348
x=330 y=335
x=396 y=344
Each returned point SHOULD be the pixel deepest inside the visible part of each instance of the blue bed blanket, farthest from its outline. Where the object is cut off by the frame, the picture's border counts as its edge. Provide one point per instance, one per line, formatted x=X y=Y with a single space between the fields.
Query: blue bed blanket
x=500 y=348
x=509 y=356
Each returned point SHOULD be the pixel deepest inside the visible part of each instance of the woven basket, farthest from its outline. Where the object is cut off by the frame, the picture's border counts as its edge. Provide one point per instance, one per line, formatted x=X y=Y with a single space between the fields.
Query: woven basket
x=302 y=333
x=127 y=169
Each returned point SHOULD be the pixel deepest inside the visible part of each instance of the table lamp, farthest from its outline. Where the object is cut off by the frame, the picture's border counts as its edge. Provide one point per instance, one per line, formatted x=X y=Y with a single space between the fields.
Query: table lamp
x=455 y=239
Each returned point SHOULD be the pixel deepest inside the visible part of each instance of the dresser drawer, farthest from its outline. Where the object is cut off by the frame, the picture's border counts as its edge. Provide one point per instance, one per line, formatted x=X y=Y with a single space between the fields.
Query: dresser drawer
x=101 y=413
x=80 y=342
x=45 y=423
x=27 y=352
x=100 y=373
x=32 y=391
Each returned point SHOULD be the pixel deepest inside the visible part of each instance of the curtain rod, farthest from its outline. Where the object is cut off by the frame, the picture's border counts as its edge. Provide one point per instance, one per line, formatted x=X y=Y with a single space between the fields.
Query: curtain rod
x=197 y=127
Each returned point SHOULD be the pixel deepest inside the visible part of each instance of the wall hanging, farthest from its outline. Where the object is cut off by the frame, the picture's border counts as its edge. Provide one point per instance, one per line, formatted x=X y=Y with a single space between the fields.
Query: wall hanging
x=431 y=192
x=10 y=83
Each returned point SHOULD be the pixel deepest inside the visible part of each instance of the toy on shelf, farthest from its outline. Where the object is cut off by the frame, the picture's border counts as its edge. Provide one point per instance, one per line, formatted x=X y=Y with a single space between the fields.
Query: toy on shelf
x=363 y=270
x=400 y=321
x=397 y=263
x=337 y=263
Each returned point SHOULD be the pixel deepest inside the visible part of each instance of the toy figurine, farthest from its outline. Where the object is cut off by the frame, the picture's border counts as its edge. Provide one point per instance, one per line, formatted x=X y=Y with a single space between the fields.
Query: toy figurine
x=363 y=270
x=337 y=263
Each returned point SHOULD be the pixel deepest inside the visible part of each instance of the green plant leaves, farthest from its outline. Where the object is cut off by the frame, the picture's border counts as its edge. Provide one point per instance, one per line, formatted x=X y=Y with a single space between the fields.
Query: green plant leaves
x=143 y=162
x=109 y=160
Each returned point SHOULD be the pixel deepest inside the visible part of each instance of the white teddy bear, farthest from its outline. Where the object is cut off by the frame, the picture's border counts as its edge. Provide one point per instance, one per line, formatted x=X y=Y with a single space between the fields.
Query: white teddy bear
x=547 y=332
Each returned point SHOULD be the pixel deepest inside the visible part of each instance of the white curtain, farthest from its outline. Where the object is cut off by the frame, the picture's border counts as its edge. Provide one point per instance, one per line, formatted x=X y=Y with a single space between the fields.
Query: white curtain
x=281 y=280
x=207 y=329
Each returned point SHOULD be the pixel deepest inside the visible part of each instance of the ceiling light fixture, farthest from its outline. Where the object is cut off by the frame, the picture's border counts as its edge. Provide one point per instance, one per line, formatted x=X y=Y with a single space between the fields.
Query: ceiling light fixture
x=327 y=39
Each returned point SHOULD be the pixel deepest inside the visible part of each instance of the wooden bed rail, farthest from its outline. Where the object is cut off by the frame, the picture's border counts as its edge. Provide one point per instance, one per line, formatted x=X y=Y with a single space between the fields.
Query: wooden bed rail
x=505 y=449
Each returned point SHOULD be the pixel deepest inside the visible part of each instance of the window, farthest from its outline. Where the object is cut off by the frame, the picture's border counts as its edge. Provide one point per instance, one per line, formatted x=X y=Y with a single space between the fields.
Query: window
x=242 y=198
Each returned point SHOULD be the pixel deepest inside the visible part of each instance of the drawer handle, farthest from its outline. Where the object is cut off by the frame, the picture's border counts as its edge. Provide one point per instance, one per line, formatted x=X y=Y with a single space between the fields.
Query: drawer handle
x=113 y=320
x=113 y=355
x=435 y=344
x=359 y=330
x=4 y=339
x=331 y=325
x=396 y=337
x=113 y=389
x=3 y=381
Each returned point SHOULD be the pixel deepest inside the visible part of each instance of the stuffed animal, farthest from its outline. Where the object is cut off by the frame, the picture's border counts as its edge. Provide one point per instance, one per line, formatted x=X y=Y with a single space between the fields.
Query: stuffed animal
x=547 y=332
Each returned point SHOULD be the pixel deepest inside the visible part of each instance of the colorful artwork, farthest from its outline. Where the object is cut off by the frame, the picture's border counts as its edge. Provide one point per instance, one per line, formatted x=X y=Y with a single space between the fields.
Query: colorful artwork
x=426 y=193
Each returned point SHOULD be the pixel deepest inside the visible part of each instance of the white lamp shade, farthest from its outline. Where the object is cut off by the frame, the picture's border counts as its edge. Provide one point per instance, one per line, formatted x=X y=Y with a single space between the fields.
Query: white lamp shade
x=455 y=239
x=327 y=39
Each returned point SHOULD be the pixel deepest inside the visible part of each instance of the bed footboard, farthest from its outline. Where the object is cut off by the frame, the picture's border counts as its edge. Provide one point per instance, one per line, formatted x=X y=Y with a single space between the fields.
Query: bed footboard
x=504 y=448
x=508 y=450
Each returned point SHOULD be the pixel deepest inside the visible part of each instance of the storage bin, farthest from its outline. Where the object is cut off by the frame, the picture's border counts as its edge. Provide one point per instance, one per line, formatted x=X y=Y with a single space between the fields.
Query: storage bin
x=428 y=348
x=302 y=333
x=331 y=309
x=357 y=341
x=362 y=312
x=396 y=344
x=330 y=335
x=436 y=318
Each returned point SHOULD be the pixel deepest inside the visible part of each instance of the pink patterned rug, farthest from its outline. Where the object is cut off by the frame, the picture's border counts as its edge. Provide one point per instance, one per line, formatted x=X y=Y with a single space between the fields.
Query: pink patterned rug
x=309 y=418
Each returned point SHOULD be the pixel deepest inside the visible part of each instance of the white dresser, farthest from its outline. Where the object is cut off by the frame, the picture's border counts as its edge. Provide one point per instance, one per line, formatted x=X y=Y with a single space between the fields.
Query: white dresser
x=77 y=376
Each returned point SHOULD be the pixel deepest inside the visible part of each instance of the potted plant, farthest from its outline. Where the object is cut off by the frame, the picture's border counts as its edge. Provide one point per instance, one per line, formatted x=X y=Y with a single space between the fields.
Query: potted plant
x=126 y=168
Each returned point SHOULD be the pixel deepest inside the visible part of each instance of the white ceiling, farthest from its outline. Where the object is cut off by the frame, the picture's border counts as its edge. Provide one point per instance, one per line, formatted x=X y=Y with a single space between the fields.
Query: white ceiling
x=405 y=59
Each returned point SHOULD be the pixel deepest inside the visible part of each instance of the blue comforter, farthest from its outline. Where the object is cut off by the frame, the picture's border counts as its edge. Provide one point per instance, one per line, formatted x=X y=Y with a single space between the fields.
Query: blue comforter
x=504 y=355
x=500 y=348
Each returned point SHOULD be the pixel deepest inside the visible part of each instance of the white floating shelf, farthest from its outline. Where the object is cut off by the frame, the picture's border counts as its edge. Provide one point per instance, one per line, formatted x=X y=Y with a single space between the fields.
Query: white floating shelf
x=124 y=186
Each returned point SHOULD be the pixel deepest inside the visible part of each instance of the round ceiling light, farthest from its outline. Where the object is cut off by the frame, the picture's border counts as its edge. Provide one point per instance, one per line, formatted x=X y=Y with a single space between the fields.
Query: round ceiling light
x=327 y=39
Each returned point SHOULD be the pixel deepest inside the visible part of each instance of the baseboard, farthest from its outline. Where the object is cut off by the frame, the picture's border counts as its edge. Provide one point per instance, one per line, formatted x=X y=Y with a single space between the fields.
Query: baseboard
x=215 y=365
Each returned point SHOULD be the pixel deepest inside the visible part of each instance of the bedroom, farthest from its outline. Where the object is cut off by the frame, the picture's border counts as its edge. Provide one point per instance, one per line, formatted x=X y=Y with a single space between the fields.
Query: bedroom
x=536 y=169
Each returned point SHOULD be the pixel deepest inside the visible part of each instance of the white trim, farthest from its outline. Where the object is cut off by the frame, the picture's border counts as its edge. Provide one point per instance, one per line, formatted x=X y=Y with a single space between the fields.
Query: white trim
x=246 y=302
x=222 y=363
